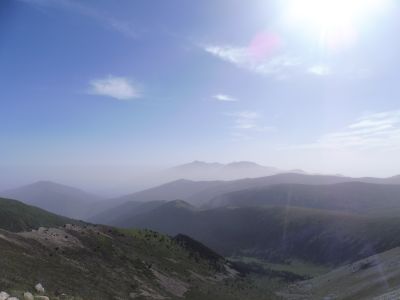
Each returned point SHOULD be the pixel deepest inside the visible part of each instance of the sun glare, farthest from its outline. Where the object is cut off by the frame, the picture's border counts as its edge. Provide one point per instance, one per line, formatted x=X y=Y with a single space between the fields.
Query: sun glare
x=333 y=18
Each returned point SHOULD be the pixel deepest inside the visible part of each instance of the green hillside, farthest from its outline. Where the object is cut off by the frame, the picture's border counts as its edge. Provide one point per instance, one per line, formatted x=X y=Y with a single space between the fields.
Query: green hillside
x=96 y=262
x=16 y=216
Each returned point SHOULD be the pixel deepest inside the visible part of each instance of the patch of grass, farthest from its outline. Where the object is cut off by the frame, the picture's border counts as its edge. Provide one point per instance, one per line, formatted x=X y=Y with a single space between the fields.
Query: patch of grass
x=297 y=267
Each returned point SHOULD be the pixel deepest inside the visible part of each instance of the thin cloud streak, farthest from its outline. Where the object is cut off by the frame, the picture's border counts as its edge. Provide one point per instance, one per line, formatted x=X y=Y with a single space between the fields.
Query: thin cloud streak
x=119 y=88
x=371 y=131
x=243 y=57
x=225 y=98
x=246 y=124
x=320 y=70
x=283 y=66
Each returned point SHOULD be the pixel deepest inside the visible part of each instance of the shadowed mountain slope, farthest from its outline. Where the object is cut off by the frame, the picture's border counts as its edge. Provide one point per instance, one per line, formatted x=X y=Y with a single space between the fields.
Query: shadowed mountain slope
x=124 y=211
x=275 y=233
x=351 y=197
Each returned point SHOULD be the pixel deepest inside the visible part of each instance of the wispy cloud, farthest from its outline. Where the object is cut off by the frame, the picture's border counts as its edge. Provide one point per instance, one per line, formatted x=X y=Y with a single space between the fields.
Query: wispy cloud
x=244 y=58
x=320 y=70
x=247 y=123
x=119 y=88
x=371 y=131
x=121 y=26
x=245 y=119
x=283 y=65
x=224 y=97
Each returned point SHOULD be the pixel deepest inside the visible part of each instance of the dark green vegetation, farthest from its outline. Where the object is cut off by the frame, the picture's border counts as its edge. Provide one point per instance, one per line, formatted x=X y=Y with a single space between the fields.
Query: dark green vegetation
x=291 y=268
x=199 y=251
x=16 y=216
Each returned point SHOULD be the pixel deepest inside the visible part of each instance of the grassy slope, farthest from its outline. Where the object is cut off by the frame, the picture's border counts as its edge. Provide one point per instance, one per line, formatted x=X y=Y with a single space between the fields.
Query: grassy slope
x=16 y=216
x=96 y=262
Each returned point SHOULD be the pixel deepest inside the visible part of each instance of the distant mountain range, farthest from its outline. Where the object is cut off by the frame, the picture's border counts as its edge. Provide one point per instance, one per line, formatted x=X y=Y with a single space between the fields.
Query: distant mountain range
x=78 y=204
x=199 y=170
x=200 y=193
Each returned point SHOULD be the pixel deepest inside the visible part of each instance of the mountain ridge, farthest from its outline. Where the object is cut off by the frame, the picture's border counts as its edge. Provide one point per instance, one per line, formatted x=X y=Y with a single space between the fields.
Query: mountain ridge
x=54 y=197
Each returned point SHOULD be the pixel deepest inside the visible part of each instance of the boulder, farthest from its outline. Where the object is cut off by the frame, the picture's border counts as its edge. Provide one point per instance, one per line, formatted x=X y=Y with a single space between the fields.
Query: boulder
x=39 y=288
x=12 y=298
x=133 y=295
x=28 y=296
x=42 y=298
x=4 y=296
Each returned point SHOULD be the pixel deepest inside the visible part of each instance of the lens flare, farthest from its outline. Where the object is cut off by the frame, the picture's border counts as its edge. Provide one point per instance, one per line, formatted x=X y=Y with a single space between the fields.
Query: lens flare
x=336 y=21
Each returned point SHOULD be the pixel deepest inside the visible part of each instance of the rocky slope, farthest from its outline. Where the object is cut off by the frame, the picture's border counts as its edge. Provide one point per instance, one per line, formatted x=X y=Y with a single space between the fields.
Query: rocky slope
x=374 y=278
x=96 y=262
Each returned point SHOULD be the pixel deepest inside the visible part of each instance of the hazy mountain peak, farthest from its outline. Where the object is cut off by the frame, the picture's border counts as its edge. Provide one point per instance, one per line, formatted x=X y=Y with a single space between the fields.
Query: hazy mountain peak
x=298 y=171
x=200 y=170
x=47 y=184
x=54 y=197
x=199 y=164
x=178 y=181
x=242 y=164
x=394 y=179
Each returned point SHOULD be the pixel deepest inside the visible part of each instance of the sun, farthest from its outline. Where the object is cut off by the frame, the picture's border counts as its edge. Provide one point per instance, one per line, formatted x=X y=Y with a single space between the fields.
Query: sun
x=332 y=18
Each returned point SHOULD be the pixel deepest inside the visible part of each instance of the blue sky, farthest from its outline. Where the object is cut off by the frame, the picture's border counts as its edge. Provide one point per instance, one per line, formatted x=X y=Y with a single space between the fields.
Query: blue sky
x=91 y=83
